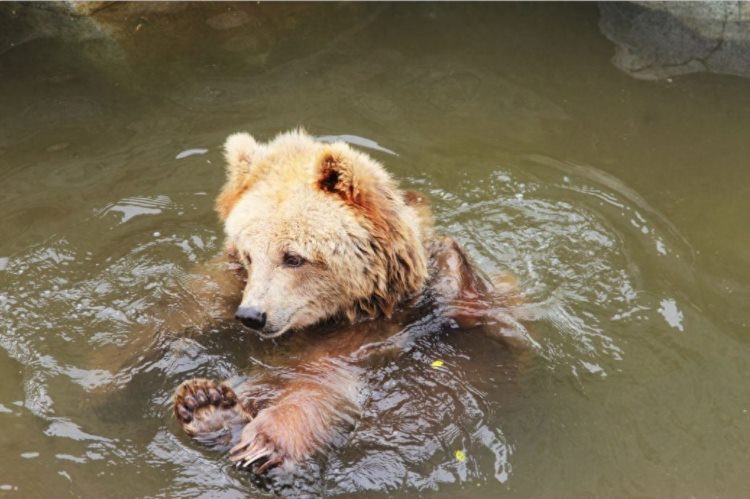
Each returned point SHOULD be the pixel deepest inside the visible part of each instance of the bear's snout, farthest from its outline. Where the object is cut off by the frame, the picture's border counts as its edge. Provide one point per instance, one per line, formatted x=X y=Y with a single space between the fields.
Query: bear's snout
x=251 y=317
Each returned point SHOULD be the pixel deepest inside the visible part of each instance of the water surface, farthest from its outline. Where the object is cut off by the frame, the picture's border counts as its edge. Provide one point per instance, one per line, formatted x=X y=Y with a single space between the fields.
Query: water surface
x=621 y=206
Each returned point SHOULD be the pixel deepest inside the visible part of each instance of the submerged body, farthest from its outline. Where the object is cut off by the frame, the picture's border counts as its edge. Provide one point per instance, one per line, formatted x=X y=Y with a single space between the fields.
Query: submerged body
x=320 y=235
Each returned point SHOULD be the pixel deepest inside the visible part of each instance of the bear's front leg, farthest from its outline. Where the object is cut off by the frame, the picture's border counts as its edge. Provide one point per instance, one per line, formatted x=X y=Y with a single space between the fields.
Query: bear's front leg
x=302 y=420
x=468 y=300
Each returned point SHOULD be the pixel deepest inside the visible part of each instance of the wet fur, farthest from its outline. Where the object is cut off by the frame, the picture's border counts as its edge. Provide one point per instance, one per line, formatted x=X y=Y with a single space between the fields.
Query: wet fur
x=378 y=229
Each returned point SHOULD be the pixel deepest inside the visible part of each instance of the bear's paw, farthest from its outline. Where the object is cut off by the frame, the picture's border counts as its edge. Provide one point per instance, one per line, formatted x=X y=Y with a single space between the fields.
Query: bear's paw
x=204 y=407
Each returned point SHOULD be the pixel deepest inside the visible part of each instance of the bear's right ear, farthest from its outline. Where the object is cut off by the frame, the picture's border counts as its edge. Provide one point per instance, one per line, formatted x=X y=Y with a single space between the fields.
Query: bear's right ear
x=240 y=150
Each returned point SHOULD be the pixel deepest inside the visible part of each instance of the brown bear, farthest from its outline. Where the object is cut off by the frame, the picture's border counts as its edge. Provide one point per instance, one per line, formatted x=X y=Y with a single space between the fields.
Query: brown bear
x=327 y=248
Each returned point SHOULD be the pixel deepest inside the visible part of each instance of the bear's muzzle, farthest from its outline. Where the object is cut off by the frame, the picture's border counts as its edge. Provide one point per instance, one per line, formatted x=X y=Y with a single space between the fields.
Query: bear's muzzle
x=251 y=317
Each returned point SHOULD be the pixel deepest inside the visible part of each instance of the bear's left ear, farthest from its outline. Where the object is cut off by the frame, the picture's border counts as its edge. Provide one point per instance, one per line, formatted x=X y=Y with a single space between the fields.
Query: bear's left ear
x=336 y=176
x=358 y=180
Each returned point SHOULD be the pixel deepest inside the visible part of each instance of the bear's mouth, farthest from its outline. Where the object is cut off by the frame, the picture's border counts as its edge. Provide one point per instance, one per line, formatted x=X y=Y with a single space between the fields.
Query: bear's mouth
x=267 y=335
x=269 y=332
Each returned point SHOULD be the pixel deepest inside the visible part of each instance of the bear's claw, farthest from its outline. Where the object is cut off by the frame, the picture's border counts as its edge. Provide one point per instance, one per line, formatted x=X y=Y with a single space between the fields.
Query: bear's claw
x=246 y=455
x=253 y=447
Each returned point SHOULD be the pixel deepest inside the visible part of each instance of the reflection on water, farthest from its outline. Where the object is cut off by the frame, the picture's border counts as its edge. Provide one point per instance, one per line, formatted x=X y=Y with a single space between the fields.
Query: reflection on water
x=540 y=158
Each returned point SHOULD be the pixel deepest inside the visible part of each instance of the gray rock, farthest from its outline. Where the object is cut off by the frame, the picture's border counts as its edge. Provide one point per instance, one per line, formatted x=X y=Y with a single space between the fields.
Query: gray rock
x=21 y=23
x=656 y=40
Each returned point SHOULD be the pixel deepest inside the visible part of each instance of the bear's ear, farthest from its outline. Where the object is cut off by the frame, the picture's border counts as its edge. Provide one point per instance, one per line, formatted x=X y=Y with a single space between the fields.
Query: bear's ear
x=336 y=176
x=240 y=151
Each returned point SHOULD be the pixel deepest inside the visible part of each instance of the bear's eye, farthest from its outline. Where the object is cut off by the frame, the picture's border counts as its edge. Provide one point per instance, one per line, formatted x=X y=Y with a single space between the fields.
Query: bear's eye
x=248 y=259
x=292 y=260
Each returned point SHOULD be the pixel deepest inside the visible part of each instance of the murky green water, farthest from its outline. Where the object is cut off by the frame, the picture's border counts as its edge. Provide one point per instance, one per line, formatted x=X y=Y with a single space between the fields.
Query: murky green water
x=622 y=206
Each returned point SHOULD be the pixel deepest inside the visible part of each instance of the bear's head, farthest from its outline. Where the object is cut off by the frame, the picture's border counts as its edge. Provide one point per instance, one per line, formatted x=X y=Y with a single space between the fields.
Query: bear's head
x=322 y=229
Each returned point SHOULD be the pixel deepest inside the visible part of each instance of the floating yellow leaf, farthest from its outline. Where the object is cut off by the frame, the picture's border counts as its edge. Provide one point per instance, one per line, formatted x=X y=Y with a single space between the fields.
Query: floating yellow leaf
x=460 y=456
x=437 y=363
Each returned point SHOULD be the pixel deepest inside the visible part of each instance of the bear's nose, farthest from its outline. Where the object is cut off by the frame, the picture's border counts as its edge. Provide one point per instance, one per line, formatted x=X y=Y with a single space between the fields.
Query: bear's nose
x=251 y=317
